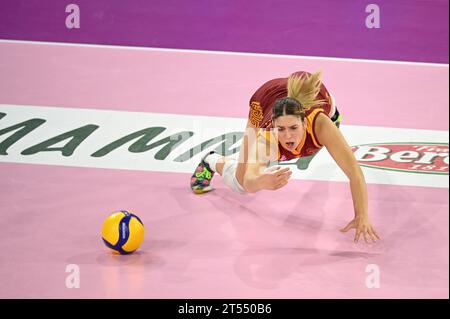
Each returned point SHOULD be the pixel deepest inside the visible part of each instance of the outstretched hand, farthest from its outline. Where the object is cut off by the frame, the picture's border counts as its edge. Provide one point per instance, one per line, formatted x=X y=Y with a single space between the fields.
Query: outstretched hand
x=275 y=178
x=362 y=227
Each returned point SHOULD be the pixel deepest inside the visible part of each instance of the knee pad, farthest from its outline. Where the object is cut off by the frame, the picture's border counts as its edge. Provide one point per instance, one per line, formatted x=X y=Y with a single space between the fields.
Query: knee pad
x=229 y=176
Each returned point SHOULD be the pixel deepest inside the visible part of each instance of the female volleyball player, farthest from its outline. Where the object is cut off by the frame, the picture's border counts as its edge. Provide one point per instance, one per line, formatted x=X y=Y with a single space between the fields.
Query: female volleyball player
x=289 y=118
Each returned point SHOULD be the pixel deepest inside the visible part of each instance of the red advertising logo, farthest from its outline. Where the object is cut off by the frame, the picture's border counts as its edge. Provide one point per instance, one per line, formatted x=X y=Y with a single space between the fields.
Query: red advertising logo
x=428 y=158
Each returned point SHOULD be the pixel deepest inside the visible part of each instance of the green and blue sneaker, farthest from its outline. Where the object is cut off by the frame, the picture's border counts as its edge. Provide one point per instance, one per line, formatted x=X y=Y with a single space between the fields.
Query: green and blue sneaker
x=201 y=179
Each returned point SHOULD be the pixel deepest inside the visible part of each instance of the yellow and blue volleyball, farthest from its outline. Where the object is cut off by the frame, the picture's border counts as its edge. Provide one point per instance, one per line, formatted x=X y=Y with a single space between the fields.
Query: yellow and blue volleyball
x=123 y=232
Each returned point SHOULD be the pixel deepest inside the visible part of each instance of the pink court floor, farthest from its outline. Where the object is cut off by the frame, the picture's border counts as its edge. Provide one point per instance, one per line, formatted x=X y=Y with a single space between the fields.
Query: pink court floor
x=281 y=244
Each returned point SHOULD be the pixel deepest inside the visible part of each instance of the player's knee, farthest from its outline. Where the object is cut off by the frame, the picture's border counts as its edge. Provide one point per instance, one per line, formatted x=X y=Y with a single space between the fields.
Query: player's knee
x=229 y=176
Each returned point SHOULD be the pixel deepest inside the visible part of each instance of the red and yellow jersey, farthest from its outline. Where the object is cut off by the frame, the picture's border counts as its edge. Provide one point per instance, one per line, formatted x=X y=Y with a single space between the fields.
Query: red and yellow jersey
x=260 y=115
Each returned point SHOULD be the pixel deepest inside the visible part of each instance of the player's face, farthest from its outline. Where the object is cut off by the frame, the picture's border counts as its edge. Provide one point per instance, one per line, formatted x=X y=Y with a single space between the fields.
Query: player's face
x=289 y=130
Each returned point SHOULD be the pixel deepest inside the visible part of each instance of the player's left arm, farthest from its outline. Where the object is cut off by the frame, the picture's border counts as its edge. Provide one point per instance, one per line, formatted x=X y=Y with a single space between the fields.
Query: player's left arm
x=331 y=137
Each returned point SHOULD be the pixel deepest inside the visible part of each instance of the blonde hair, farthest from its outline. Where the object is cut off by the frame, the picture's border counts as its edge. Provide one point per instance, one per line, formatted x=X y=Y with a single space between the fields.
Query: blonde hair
x=305 y=88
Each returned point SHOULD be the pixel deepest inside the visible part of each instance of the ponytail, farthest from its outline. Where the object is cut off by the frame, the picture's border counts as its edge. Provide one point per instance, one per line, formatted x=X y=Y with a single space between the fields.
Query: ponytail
x=305 y=88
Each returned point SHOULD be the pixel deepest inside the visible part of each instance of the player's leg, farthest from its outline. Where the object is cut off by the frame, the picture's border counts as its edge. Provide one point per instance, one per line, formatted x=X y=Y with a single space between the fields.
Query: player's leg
x=337 y=118
x=231 y=170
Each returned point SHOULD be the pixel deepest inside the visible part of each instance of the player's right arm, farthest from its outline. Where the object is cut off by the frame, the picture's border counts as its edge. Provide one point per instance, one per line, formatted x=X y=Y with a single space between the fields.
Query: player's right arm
x=256 y=178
